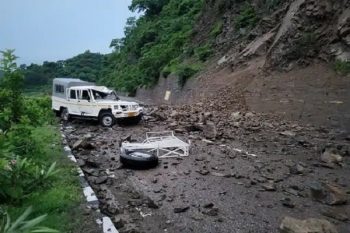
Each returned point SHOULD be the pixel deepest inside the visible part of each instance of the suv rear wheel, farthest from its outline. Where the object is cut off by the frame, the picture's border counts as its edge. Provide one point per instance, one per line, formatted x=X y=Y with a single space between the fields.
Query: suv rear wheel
x=107 y=119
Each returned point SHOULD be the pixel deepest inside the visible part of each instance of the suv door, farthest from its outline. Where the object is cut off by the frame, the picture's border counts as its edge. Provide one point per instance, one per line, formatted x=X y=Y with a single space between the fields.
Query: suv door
x=73 y=102
x=86 y=105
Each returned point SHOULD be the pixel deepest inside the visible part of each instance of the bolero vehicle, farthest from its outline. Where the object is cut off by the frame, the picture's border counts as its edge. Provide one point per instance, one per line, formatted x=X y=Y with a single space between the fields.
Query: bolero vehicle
x=75 y=98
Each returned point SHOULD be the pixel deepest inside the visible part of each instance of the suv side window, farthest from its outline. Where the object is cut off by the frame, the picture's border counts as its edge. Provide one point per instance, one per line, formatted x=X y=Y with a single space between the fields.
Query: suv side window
x=85 y=95
x=73 y=94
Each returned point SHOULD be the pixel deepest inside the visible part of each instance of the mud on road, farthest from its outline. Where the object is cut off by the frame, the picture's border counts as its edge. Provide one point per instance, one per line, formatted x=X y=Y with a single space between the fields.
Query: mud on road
x=245 y=172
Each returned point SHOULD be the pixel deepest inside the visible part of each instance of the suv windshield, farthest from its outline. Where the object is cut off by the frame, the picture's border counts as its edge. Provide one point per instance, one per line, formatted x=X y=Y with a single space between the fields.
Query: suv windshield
x=98 y=95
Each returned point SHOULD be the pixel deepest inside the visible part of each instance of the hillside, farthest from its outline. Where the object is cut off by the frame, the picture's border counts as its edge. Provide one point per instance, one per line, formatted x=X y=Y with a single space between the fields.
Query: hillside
x=268 y=53
x=289 y=58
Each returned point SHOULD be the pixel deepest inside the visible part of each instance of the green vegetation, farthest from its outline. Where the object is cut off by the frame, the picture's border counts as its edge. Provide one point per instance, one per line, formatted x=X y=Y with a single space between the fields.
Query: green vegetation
x=35 y=179
x=185 y=71
x=203 y=52
x=217 y=29
x=342 y=67
x=152 y=42
x=87 y=66
x=247 y=18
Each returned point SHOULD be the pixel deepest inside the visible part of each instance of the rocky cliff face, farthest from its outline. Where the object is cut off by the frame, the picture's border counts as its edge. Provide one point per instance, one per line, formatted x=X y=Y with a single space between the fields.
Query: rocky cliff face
x=290 y=34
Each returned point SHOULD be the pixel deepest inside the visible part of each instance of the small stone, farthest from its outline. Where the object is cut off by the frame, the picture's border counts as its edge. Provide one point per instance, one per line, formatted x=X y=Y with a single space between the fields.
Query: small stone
x=154 y=180
x=203 y=172
x=288 y=133
x=297 y=169
x=101 y=180
x=331 y=157
x=118 y=222
x=211 y=211
x=181 y=209
x=287 y=202
x=269 y=186
x=208 y=205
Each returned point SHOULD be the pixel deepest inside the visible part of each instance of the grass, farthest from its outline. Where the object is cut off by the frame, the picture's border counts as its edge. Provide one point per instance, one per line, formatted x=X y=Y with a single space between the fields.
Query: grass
x=63 y=196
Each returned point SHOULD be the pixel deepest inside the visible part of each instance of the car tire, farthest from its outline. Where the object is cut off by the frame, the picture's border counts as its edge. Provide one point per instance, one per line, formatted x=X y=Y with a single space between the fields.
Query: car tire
x=65 y=114
x=107 y=119
x=138 y=160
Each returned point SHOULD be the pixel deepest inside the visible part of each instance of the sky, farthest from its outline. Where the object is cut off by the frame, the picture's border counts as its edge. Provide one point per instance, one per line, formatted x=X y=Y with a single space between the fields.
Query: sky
x=51 y=30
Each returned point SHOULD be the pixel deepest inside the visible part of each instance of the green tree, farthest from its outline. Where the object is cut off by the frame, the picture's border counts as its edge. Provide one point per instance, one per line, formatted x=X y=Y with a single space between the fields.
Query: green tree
x=151 y=7
x=11 y=87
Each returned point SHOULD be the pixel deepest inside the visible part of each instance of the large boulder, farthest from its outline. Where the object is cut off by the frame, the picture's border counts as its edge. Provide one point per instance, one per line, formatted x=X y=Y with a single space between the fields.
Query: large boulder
x=311 y=225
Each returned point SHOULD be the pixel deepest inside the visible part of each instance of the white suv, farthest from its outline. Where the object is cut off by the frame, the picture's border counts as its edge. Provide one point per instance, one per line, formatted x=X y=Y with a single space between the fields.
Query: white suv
x=80 y=99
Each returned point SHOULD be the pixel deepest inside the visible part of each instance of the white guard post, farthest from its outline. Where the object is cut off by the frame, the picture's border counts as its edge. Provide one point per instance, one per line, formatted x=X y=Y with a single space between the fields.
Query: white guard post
x=165 y=143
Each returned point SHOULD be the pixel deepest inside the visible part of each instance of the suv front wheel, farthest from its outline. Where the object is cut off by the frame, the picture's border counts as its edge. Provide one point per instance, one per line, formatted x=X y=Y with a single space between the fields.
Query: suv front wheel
x=107 y=119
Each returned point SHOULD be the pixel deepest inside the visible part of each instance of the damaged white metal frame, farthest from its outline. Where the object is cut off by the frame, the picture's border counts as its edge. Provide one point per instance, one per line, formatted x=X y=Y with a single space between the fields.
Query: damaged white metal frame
x=165 y=143
x=90 y=196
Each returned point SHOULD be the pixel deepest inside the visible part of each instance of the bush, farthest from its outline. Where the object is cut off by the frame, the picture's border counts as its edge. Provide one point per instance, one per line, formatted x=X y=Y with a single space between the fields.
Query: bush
x=184 y=72
x=342 y=67
x=203 y=52
x=217 y=29
x=247 y=18
x=20 y=177
x=22 y=224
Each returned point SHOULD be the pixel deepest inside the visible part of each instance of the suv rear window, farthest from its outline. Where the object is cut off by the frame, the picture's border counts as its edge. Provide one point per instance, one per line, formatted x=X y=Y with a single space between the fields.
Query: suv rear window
x=59 y=89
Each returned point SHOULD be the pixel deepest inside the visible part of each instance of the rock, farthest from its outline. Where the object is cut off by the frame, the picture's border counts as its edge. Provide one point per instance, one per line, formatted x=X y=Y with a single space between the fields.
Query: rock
x=208 y=205
x=126 y=138
x=83 y=143
x=311 y=225
x=269 y=186
x=287 y=202
x=203 y=172
x=209 y=130
x=77 y=144
x=297 y=169
x=335 y=214
x=118 y=222
x=151 y=204
x=336 y=195
x=331 y=157
x=236 y=116
x=101 y=180
x=211 y=211
x=288 y=133
x=328 y=194
x=208 y=141
x=181 y=209
x=80 y=162
x=92 y=163
x=218 y=174
x=154 y=180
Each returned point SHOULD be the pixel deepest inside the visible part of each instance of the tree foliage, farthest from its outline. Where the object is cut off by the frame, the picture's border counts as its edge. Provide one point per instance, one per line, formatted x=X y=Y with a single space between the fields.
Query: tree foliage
x=151 y=42
x=86 y=66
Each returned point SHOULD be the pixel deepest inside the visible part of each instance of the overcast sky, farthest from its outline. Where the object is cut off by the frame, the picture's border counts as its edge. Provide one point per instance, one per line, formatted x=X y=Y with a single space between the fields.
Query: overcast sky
x=50 y=30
